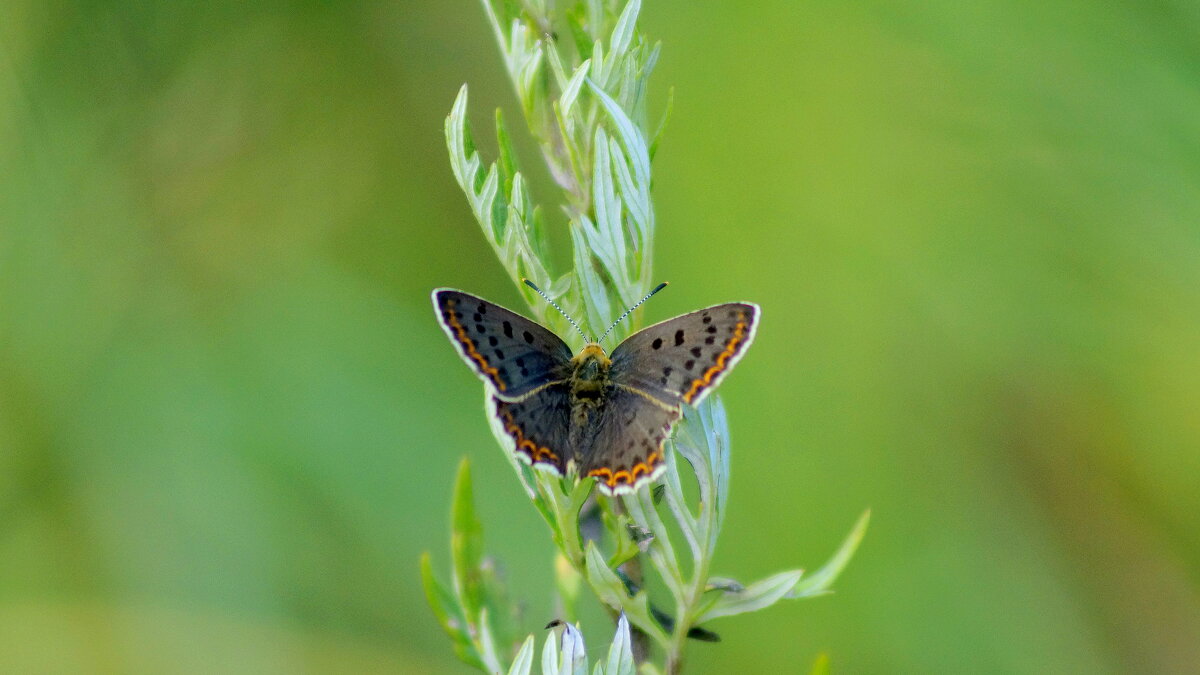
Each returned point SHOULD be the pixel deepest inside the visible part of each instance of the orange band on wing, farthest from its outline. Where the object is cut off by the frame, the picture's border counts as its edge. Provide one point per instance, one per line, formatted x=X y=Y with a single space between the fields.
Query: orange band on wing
x=452 y=319
x=627 y=477
x=739 y=334
x=536 y=453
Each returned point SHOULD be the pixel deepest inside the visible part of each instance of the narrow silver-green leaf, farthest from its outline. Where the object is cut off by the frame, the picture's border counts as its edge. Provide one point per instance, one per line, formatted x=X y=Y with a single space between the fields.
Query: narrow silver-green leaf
x=466 y=543
x=676 y=501
x=456 y=141
x=628 y=133
x=597 y=306
x=528 y=76
x=550 y=655
x=623 y=33
x=603 y=580
x=595 y=9
x=570 y=92
x=557 y=68
x=662 y=122
x=507 y=158
x=449 y=614
x=758 y=595
x=662 y=552
x=607 y=238
x=523 y=663
x=635 y=197
x=489 y=219
x=600 y=66
x=488 y=651
x=611 y=591
x=819 y=582
x=620 y=652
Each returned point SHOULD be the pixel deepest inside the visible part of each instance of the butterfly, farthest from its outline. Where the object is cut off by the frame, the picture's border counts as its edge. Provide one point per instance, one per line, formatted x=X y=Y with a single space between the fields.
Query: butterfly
x=605 y=416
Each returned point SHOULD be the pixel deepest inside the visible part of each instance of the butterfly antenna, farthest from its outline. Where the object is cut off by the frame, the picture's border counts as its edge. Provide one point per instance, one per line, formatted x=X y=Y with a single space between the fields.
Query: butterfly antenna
x=555 y=306
x=635 y=306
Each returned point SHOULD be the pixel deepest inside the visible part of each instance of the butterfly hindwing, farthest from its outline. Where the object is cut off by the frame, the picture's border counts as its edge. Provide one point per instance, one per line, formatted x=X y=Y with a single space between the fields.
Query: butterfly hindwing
x=513 y=354
x=539 y=426
x=622 y=443
x=680 y=360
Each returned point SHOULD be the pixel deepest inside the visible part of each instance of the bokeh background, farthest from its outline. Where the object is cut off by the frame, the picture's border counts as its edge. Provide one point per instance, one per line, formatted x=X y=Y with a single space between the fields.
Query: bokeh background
x=229 y=424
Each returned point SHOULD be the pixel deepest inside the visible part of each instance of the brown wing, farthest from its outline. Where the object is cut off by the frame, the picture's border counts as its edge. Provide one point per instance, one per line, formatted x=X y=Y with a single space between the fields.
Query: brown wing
x=622 y=446
x=680 y=360
x=512 y=354
x=539 y=426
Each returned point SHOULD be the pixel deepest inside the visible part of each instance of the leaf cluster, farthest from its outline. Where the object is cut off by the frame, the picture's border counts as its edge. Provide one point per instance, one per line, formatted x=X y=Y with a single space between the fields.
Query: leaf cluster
x=585 y=104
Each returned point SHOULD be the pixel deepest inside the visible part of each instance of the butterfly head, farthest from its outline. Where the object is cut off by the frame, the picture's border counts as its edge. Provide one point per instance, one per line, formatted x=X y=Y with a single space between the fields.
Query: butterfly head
x=589 y=372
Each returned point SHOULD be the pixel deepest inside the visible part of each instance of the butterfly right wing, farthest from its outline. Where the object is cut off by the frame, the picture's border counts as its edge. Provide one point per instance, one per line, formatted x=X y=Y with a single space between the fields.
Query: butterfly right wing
x=681 y=360
x=512 y=354
x=622 y=445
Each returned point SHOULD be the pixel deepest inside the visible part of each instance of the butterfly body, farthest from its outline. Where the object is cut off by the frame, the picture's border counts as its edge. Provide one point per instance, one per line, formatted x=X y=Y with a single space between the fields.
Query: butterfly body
x=605 y=415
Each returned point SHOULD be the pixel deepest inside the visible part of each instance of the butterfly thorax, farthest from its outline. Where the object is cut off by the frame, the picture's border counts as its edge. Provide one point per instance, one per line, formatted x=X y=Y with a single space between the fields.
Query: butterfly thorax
x=589 y=378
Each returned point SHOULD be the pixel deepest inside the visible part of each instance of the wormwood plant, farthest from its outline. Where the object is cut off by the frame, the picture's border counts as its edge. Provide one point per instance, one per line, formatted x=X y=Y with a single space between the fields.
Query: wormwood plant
x=580 y=71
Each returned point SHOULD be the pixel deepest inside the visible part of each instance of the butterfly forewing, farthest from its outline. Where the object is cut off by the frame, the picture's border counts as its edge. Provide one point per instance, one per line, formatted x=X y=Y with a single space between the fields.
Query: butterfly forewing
x=680 y=360
x=514 y=355
x=622 y=445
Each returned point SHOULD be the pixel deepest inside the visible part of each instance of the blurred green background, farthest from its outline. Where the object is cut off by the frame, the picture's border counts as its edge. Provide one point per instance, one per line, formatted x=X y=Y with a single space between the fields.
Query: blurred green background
x=229 y=423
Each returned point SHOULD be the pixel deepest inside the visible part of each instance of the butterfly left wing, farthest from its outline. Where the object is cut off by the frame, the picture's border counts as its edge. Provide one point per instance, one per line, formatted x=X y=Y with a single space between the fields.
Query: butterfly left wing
x=512 y=354
x=681 y=360
x=622 y=443
x=539 y=426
